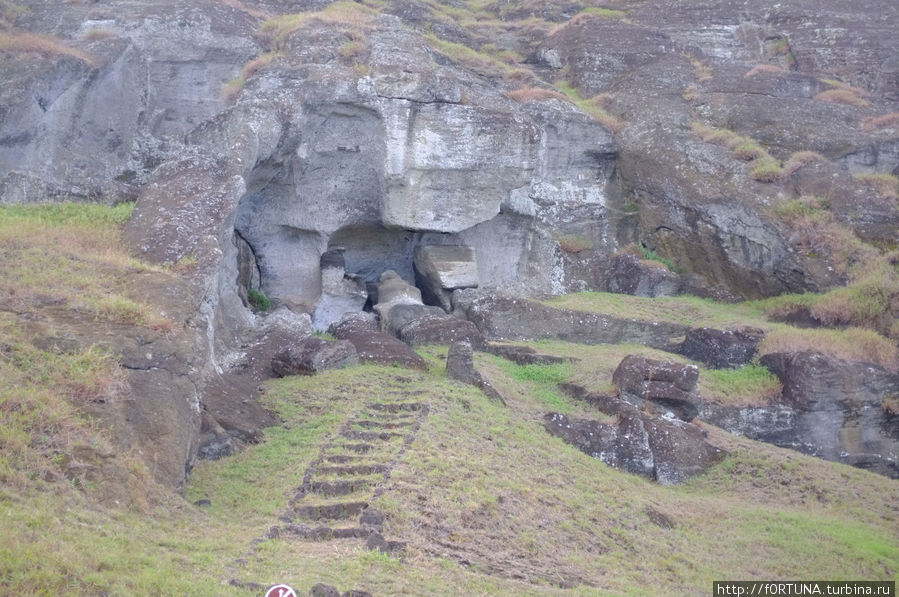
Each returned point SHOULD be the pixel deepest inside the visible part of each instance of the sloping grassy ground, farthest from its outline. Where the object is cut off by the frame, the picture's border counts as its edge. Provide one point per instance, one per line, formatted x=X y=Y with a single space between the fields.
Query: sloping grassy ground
x=488 y=502
x=851 y=343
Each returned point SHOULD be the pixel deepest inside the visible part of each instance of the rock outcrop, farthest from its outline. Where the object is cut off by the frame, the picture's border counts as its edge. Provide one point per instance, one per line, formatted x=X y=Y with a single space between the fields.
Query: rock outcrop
x=631 y=275
x=835 y=410
x=501 y=317
x=666 y=387
x=312 y=355
x=667 y=451
x=721 y=348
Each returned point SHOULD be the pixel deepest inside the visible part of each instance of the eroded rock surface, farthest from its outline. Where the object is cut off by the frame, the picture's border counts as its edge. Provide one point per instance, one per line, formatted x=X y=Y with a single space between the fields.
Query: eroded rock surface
x=664 y=386
x=831 y=409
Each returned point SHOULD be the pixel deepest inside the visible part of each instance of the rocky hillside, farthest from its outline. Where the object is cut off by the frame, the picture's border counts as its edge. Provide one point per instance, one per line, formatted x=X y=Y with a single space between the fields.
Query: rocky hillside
x=641 y=226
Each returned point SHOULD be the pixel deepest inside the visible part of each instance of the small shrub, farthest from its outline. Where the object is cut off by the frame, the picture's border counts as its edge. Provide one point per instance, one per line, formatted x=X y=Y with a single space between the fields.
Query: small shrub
x=648 y=254
x=885 y=185
x=258 y=300
x=766 y=169
x=873 y=123
x=256 y=64
x=749 y=151
x=801 y=159
x=763 y=68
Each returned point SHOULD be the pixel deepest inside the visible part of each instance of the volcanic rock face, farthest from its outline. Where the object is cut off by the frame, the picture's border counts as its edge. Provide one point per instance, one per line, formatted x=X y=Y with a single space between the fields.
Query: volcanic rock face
x=403 y=149
x=831 y=409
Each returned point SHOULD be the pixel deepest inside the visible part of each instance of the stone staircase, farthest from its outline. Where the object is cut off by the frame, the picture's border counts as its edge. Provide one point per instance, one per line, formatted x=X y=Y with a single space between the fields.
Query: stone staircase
x=334 y=499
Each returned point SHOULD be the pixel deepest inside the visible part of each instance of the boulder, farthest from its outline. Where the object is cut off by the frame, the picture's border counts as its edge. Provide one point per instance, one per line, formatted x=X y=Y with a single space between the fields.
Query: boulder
x=312 y=354
x=500 y=317
x=666 y=384
x=355 y=323
x=828 y=408
x=441 y=329
x=341 y=293
x=721 y=348
x=393 y=289
x=440 y=269
x=381 y=349
x=524 y=355
x=667 y=451
x=631 y=275
x=460 y=366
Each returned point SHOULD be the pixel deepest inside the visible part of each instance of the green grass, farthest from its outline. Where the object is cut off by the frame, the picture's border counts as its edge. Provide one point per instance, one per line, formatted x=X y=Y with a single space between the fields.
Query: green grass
x=258 y=300
x=606 y=13
x=71 y=254
x=650 y=255
x=751 y=383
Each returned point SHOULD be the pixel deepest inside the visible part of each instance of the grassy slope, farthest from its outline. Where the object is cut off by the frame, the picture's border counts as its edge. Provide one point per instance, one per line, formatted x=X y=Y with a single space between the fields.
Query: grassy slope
x=853 y=343
x=488 y=502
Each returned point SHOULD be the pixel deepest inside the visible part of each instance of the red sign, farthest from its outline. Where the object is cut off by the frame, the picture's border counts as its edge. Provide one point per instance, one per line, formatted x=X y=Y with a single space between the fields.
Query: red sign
x=280 y=591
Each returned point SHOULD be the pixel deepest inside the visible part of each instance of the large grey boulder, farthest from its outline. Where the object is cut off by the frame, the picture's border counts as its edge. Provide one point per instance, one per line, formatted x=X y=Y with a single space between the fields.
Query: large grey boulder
x=667 y=451
x=663 y=386
x=631 y=275
x=341 y=294
x=721 y=348
x=313 y=354
x=440 y=269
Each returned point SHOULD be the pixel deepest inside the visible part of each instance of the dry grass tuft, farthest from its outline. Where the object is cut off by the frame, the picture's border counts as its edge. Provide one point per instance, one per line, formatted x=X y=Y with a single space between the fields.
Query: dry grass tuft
x=702 y=72
x=535 y=94
x=274 y=33
x=800 y=159
x=764 y=68
x=818 y=233
x=874 y=123
x=843 y=94
x=231 y=89
x=574 y=243
x=885 y=185
x=19 y=41
x=852 y=344
x=765 y=167
x=256 y=64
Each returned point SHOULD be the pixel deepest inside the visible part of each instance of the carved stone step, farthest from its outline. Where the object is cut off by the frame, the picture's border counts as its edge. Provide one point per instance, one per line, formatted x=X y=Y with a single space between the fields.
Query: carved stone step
x=395 y=407
x=333 y=511
x=342 y=458
x=338 y=488
x=383 y=424
x=368 y=436
x=355 y=469
x=361 y=448
x=320 y=533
